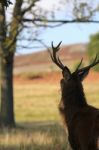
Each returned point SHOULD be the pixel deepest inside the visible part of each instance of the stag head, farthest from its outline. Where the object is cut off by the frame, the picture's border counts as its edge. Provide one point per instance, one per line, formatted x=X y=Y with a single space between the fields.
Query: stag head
x=80 y=73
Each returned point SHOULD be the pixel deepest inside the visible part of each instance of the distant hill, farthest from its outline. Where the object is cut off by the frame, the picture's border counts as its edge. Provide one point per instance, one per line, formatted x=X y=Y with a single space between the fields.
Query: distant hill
x=40 y=61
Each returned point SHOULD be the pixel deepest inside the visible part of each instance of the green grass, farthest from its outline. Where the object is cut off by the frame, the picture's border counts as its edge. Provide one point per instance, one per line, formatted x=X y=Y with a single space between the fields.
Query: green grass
x=39 y=102
x=36 y=114
x=92 y=93
x=36 y=102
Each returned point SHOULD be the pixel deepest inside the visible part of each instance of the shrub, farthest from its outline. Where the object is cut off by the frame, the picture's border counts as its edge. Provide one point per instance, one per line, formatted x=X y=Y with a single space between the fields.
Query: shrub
x=93 y=48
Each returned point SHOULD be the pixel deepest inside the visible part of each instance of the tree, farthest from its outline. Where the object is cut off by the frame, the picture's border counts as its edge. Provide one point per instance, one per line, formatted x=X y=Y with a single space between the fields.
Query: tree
x=93 y=47
x=26 y=17
x=7 y=49
x=8 y=40
x=5 y=3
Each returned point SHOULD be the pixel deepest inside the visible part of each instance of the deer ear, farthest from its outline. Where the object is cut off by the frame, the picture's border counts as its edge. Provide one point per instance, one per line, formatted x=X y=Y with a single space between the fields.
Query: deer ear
x=83 y=74
x=66 y=73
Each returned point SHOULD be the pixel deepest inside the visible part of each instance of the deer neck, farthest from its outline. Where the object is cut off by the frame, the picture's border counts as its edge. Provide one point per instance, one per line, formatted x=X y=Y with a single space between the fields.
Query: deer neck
x=73 y=100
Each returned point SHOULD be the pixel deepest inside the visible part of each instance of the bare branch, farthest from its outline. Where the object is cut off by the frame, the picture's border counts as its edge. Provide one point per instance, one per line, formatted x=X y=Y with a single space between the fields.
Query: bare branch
x=13 y=40
x=42 y=24
x=42 y=43
x=5 y=3
x=60 y=21
x=29 y=7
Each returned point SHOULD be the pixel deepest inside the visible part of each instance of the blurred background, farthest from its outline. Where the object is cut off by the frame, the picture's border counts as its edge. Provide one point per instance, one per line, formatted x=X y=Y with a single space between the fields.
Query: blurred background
x=29 y=80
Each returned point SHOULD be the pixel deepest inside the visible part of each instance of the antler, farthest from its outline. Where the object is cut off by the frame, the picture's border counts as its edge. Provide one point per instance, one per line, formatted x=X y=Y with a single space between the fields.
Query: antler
x=54 y=57
x=79 y=65
x=95 y=62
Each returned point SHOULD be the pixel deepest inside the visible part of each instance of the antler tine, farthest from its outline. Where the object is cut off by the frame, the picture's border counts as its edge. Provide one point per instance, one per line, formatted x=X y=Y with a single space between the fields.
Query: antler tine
x=95 y=58
x=54 y=57
x=57 y=47
x=95 y=62
x=59 y=61
x=79 y=65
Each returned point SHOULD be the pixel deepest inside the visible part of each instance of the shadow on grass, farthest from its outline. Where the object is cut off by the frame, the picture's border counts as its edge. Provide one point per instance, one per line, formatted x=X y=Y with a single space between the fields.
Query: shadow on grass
x=34 y=136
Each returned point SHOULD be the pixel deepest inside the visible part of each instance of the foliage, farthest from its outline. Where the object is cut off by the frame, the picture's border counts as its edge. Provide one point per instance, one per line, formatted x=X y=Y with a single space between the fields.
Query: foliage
x=5 y=3
x=83 y=10
x=93 y=48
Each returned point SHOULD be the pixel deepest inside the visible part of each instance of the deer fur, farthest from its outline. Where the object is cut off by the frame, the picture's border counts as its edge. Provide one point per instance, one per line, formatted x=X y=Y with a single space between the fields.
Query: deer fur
x=80 y=119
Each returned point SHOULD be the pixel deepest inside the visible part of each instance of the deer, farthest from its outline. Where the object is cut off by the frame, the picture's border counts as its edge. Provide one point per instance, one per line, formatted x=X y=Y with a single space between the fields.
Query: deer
x=80 y=119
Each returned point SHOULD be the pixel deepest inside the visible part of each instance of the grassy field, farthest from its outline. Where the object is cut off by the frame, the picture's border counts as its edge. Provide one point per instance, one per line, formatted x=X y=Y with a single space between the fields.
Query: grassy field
x=37 y=117
x=36 y=102
x=40 y=136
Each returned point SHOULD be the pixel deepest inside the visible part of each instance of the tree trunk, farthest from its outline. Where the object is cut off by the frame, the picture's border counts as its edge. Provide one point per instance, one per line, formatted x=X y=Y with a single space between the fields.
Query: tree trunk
x=8 y=40
x=7 y=111
x=6 y=80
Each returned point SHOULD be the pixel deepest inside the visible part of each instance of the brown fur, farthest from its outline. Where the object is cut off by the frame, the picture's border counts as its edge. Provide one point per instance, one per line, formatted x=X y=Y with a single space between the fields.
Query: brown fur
x=81 y=119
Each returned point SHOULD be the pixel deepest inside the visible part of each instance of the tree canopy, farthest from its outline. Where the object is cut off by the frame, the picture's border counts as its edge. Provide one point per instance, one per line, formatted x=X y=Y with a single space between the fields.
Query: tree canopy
x=93 y=48
x=5 y=3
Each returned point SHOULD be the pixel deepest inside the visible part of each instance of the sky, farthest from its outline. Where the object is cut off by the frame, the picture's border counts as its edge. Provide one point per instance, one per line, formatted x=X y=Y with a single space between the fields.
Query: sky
x=68 y=33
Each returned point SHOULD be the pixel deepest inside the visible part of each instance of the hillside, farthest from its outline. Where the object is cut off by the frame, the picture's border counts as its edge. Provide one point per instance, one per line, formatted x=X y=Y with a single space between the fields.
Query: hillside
x=40 y=61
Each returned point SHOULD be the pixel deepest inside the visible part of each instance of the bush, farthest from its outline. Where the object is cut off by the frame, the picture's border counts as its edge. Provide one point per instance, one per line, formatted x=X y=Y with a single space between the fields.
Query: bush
x=93 y=48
